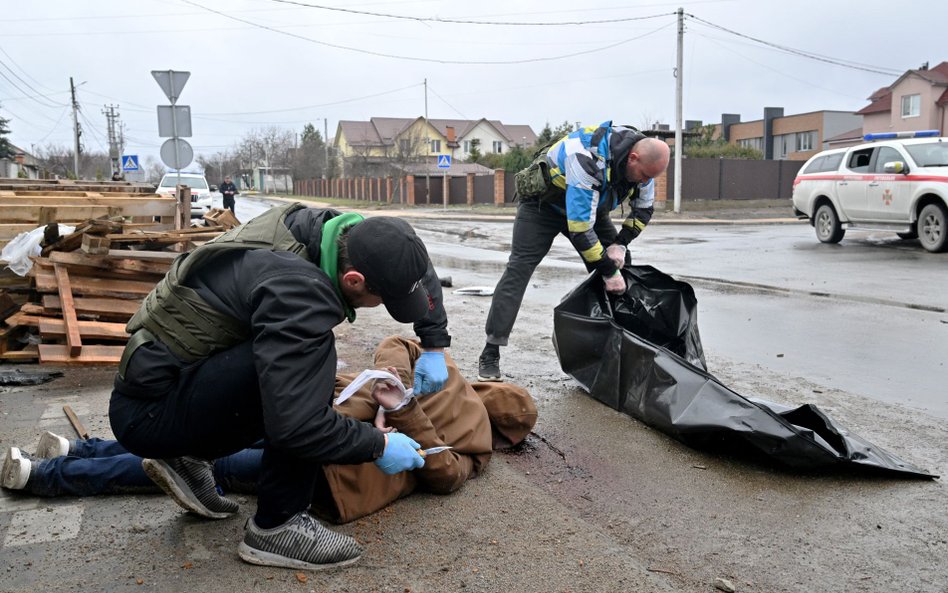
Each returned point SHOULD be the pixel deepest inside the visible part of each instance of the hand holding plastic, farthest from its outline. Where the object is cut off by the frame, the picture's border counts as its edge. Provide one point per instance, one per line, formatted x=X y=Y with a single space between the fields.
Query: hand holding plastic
x=431 y=373
x=401 y=454
x=615 y=283
x=616 y=253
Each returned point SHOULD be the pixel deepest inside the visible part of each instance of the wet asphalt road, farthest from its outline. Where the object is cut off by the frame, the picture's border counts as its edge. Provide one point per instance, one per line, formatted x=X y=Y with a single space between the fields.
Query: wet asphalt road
x=594 y=501
x=869 y=315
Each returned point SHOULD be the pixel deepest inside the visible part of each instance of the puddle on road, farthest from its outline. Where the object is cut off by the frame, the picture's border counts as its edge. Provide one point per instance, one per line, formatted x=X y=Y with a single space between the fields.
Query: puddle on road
x=676 y=241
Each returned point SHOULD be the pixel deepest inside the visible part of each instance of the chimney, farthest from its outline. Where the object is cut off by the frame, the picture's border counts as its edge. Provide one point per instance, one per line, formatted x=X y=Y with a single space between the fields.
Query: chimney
x=449 y=132
x=728 y=120
x=770 y=114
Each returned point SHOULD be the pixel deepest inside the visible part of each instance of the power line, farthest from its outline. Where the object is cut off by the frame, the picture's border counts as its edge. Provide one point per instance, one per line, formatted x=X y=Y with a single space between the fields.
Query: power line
x=56 y=125
x=777 y=70
x=340 y=102
x=29 y=86
x=803 y=53
x=19 y=119
x=99 y=139
x=456 y=110
x=471 y=21
x=419 y=59
x=27 y=74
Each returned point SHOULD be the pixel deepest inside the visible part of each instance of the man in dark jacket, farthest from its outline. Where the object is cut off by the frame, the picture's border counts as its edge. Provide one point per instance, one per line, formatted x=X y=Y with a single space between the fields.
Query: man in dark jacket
x=236 y=344
x=229 y=190
x=573 y=186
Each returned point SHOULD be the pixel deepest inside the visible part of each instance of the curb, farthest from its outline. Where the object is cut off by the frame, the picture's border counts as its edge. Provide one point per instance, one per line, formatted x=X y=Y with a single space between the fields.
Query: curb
x=454 y=215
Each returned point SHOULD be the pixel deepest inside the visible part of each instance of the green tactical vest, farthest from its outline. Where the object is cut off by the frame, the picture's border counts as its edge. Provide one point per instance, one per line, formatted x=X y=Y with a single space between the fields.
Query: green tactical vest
x=182 y=320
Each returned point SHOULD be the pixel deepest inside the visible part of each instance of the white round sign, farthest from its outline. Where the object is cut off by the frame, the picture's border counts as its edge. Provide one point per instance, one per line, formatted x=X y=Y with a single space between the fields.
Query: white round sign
x=176 y=159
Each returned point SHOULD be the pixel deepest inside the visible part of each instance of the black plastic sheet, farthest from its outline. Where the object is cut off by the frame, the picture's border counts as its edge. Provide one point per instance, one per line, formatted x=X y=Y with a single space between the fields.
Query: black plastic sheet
x=640 y=353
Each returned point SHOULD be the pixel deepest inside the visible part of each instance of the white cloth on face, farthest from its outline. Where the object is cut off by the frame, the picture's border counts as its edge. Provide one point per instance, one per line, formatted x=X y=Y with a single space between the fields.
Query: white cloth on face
x=376 y=375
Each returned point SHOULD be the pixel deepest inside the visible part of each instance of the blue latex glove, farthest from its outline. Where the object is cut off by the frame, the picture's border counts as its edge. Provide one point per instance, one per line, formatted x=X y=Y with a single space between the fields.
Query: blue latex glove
x=401 y=454
x=431 y=373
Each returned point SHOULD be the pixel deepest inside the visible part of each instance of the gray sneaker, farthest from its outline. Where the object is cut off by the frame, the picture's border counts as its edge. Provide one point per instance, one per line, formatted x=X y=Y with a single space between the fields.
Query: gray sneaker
x=301 y=542
x=488 y=366
x=190 y=482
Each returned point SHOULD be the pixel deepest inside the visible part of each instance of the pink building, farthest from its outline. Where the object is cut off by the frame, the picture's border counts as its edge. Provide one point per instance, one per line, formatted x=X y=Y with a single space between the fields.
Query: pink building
x=916 y=101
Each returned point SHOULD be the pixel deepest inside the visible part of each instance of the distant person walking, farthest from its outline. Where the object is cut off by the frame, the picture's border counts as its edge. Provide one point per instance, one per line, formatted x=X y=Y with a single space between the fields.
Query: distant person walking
x=229 y=190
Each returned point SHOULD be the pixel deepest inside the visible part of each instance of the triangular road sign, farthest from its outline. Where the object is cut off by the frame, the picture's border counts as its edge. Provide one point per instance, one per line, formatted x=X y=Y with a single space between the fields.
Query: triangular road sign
x=171 y=82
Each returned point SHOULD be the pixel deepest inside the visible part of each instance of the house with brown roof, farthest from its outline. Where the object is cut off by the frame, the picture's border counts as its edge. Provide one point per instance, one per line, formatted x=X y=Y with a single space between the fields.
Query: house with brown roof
x=917 y=100
x=370 y=147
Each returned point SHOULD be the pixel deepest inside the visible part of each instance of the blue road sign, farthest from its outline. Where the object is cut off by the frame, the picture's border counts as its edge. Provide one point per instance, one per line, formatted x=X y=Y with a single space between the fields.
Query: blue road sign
x=444 y=161
x=130 y=162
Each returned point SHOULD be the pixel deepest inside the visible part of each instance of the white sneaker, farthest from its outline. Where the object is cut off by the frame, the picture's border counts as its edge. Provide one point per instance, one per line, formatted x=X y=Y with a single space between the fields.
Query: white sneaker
x=16 y=469
x=52 y=445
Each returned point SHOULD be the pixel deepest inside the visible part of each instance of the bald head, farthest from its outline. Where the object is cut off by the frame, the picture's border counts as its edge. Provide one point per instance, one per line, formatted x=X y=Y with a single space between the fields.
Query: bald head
x=647 y=159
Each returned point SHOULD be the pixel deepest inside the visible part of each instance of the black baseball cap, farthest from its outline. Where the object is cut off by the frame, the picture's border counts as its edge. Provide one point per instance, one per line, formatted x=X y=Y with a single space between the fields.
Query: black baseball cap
x=394 y=261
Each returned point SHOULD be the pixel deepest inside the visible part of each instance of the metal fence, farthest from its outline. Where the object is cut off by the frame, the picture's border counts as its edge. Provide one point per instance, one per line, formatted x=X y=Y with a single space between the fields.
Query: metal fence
x=734 y=179
x=702 y=179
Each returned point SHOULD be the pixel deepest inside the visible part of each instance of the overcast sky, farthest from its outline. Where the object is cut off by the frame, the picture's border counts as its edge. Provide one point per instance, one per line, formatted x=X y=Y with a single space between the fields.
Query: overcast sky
x=261 y=63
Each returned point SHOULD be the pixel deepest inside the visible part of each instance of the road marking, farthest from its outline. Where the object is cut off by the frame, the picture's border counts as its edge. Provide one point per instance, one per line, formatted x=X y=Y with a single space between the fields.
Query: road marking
x=10 y=503
x=53 y=415
x=48 y=524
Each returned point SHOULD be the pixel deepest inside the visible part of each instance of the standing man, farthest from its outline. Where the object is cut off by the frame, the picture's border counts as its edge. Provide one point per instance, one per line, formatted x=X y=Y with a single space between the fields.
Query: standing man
x=236 y=344
x=229 y=190
x=570 y=188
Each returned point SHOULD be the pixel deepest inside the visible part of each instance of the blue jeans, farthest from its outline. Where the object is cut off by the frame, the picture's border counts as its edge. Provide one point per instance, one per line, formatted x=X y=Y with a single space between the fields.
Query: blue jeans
x=98 y=466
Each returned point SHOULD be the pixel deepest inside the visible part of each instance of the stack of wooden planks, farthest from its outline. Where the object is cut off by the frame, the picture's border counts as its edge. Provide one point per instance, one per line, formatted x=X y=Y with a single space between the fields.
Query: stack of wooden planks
x=73 y=306
x=28 y=203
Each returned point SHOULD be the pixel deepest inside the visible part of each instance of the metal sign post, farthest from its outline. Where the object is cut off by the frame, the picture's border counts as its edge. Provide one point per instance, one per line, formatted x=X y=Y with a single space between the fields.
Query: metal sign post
x=175 y=153
x=444 y=163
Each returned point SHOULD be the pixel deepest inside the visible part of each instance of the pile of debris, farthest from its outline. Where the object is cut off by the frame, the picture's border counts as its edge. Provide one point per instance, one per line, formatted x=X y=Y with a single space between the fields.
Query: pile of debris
x=73 y=304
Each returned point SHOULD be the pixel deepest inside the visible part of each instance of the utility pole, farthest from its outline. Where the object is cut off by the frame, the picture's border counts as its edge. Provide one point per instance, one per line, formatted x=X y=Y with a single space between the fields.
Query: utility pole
x=326 y=145
x=679 y=143
x=75 y=128
x=427 y=150
x=115 y=144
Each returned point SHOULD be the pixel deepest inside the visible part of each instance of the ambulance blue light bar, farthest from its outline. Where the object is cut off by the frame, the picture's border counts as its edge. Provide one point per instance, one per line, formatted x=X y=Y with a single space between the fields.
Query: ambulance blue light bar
x=893 y=135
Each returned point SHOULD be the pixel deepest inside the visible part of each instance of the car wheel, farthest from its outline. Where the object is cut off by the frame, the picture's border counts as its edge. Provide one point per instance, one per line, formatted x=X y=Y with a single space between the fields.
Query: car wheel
x=826 y=223
x=933 y=228
x=908 y=236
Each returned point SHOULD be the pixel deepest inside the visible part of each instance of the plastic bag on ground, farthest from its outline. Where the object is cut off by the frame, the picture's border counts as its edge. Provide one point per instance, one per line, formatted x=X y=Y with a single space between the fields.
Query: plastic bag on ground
x=640 y=353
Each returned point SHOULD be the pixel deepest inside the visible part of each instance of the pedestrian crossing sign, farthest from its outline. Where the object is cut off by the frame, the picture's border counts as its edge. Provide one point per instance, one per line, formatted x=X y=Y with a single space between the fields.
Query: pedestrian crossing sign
x=444 y=161
x=130 y=162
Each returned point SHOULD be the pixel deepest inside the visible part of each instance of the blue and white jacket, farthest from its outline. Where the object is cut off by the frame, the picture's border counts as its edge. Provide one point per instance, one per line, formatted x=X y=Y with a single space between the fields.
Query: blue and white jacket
x=589 y=165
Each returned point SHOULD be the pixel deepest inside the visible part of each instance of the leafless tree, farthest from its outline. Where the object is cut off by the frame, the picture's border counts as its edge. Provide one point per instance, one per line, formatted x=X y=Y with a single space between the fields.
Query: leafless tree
x=57 y=161
x=153 y=170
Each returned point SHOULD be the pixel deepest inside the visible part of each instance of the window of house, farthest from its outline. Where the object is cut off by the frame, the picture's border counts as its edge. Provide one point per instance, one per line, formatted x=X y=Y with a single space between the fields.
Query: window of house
x=755 y=143
x=783 y=143
x=467 y=146
x=911 y=105
x=435 y=146
x=806 y=140
x=498 y=146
